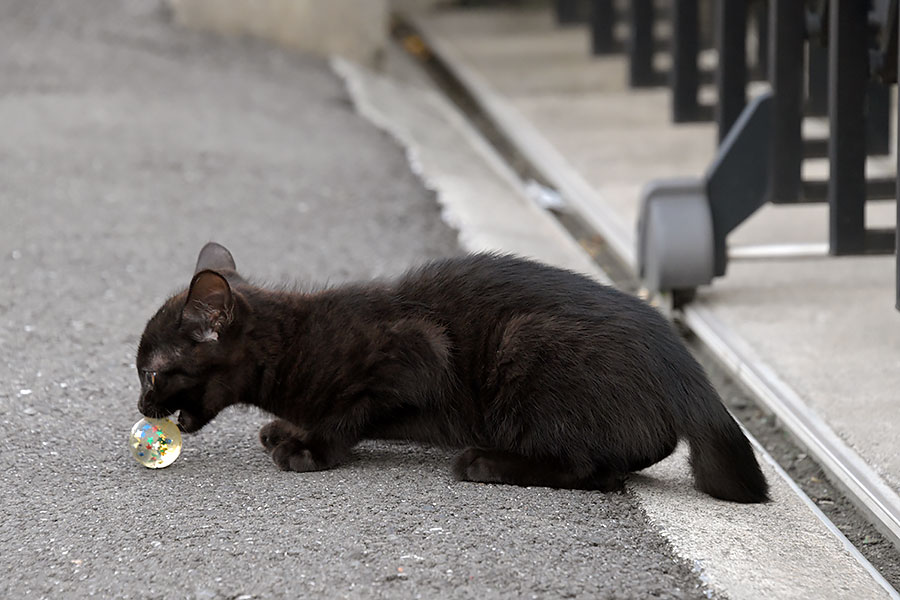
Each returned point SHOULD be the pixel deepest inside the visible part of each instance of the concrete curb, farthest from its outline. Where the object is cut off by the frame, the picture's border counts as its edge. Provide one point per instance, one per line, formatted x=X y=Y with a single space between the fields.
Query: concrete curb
x=506 y=221
x=861 y=483
x=577 y=192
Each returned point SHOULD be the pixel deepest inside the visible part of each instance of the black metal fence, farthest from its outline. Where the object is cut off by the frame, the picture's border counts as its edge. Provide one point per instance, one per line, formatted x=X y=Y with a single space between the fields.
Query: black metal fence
x=829 y=58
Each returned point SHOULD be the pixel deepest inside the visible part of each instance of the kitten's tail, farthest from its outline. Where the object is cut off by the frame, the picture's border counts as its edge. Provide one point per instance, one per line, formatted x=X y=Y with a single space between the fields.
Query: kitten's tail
x=721 y=455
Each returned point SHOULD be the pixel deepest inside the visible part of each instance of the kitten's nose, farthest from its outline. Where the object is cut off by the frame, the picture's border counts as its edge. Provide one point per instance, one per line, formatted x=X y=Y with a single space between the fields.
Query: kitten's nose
x=142 y=405
x=148 y=381
x=146 y=406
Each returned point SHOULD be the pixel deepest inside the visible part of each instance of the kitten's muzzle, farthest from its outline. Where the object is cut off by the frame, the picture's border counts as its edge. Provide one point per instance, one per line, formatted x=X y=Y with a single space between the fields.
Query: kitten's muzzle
x=146 y=404
x=148 y=408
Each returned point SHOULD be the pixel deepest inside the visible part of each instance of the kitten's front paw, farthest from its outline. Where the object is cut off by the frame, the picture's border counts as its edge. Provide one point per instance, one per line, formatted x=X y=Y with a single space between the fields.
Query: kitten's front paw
x=275 y=432
x=292 y=455
x=189 y=422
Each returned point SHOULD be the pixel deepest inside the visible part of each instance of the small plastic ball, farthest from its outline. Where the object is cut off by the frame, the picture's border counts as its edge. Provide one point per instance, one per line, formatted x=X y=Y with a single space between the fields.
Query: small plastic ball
x=155 y=443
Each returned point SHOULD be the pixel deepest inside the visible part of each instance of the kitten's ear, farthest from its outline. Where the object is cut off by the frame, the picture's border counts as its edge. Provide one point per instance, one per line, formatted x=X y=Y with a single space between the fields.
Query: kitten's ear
x=214 y=257
x=209 y=307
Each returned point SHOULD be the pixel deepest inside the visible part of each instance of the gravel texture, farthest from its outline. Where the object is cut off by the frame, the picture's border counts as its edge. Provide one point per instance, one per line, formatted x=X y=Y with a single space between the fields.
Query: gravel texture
x=128 y=144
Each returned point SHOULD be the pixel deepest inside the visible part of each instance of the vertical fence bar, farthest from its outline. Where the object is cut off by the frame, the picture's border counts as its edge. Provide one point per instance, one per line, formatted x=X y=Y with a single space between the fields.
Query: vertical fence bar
x=603 y=26
x=878 y=119
x=731 y=72
x=640 y=44
x=786 y=33
x=897 y=226
x=848 y=74
x=566 y=11
x=684 y=78
x=761 y=18
x=817 y=81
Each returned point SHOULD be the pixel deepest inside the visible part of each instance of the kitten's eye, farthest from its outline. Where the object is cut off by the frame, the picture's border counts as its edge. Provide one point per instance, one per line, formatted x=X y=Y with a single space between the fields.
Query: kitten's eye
x=149 y=378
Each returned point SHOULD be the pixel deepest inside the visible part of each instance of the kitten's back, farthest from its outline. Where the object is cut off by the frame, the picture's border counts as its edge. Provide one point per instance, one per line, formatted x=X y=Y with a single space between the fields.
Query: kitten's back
x=618 y=360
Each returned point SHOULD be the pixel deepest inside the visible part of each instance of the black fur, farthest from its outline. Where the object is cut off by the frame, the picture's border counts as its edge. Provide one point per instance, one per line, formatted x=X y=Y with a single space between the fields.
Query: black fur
x=545 y=377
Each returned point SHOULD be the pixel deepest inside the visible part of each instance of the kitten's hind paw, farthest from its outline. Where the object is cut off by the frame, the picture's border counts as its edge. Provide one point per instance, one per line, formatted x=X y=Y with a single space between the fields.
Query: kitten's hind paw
x=496 y=466
x=473 y=465
x=275 y=432
x=190 y=422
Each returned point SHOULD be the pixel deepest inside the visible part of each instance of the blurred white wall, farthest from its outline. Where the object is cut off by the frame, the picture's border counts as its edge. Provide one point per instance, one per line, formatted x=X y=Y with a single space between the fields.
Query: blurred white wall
x=354 y=29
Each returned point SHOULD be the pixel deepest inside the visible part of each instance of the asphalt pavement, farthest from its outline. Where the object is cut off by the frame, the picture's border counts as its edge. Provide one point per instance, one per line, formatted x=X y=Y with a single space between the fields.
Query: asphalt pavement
x=126 y=145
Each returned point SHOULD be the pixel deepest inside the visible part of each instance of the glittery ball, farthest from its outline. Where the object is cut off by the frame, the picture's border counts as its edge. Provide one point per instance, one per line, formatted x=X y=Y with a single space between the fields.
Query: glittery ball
x=155 y=443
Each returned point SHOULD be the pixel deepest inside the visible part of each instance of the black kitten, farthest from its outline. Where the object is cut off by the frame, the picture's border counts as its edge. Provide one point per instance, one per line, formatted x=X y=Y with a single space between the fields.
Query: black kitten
x=544 y=376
